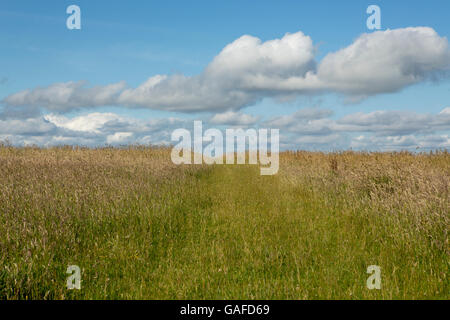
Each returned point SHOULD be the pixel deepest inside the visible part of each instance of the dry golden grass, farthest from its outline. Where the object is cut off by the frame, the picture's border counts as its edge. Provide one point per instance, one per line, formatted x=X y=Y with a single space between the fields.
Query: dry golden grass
x=399 y=183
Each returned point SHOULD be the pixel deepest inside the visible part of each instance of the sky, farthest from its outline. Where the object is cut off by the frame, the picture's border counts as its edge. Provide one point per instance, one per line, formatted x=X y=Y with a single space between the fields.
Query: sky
x=138 y=70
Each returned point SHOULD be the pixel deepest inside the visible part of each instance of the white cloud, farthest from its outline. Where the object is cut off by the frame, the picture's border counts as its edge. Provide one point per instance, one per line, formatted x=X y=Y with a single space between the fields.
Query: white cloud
x=378 y=130
x=319 y=140
x=66 y=96
x=394 y=122
x=233 y=119
x=300 y=116
x=407 y=142
x=35 y=127
x=248 y=70
x=445 y=111
x=385 y=61
x=119 y=137
x=92 y=122
x=249 y=57
x=309 y=128
x=381 y=123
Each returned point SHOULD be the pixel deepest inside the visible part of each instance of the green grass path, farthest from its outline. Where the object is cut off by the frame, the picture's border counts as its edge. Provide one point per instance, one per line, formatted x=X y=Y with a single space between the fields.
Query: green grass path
x=251 y=236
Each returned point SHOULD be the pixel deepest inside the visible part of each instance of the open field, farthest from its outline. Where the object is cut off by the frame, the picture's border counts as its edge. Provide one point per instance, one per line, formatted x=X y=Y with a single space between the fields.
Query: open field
x=140 y=227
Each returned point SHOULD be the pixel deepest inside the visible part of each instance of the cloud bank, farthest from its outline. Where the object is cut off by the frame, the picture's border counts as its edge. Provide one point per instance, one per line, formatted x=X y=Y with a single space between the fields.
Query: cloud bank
x=249 y=70
x=242 y=74
x=308 y=128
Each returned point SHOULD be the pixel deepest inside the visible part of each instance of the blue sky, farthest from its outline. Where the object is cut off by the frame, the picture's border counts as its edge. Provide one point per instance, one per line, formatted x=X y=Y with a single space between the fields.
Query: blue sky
x=133 y=41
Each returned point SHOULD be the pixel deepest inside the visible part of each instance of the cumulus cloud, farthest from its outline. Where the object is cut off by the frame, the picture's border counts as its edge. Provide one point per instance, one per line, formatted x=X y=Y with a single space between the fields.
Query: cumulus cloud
x=35 y=127
x=382 y=122
x=329 y=141
x=93 y=129
x=308 y=128
x=445 y=112
x=395 y=122
x=408 y=142
x=385 y=61
x=378 y=130
x=300 y=116
x=92 y=122
x=120 y=137
x=248 y=59
x=66 y=96
x=233 y=119
x=248 y=70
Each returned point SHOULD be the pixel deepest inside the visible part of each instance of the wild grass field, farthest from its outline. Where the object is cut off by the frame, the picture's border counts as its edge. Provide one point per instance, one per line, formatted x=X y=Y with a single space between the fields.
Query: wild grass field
x=140 y=227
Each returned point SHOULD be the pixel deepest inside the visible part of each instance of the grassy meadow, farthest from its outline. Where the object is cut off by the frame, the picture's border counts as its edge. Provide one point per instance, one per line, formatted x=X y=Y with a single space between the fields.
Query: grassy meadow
x=140 y=227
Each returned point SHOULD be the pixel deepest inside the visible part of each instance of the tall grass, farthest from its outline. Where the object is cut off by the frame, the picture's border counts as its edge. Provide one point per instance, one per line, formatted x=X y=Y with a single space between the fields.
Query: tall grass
x=140 y=227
